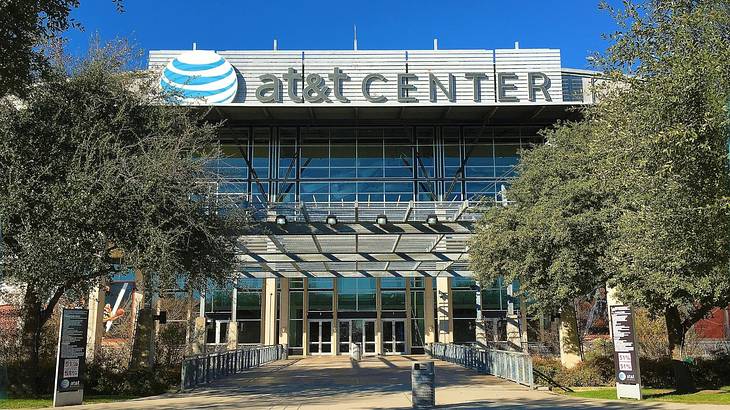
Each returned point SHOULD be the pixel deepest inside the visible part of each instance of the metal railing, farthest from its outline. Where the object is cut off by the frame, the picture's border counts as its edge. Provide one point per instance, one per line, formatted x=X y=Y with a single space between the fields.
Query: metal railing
x=204 y=368
x=514 y=366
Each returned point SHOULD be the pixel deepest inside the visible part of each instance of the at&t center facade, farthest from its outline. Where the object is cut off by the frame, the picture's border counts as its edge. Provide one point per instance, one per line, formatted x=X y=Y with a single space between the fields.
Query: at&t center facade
x=368 y=170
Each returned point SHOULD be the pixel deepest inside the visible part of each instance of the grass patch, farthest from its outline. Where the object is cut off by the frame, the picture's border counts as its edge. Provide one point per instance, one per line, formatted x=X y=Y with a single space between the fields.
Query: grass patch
x=26 y=403
x=720 y=396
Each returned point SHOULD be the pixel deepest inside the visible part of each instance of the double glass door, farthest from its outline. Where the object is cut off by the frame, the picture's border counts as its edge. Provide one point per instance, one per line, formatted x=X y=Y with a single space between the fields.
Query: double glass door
x=394 y=336
x=320 y=337
x=361 y=331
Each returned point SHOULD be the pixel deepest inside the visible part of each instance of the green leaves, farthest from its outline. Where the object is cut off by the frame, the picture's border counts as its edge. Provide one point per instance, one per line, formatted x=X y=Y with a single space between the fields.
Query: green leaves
x=636 y=193
x=93 y=166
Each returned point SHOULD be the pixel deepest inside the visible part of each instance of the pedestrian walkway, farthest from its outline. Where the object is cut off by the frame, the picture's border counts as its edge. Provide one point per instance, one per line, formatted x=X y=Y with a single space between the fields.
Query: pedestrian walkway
x=336 y=382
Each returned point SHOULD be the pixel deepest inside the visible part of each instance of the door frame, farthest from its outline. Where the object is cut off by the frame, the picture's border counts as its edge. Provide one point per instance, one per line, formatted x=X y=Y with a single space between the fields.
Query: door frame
x=393 y=342
x=364 y=335
x=321 y=341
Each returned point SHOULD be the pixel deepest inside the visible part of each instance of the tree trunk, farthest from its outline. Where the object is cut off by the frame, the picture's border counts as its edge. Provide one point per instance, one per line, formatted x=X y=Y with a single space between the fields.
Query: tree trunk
x=675 y=335
x=32 y=339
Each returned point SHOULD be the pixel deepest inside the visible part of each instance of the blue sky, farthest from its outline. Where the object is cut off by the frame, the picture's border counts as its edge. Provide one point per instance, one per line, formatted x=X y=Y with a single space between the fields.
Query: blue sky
x=574 y=26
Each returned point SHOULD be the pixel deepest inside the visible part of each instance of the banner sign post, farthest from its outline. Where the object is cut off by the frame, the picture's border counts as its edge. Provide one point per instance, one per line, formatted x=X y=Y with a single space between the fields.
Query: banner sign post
x=626 y=358
x=71 y=358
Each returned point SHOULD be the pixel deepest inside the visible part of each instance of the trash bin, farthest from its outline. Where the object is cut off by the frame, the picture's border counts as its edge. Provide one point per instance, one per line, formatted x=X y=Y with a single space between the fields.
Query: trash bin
x=355 y=351
x=423 y=385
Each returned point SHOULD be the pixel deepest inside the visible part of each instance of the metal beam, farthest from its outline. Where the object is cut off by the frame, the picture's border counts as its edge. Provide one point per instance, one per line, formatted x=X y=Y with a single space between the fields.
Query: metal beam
x=364 y=273
x=435 y=244
x=287 y=257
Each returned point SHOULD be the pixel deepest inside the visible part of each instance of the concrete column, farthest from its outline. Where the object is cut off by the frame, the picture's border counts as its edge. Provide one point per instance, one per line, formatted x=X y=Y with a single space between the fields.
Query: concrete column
x=335 y=327
x=569 y=343
x=524 y=325
x=409 y=315
x=444 y=310
x=196 y=329
x=197 y=337
x=284 y=312
x=514 y=338
x=429 y=327
x=95 y=330
x=232 y=340
x=379 y=321
x=269 y=311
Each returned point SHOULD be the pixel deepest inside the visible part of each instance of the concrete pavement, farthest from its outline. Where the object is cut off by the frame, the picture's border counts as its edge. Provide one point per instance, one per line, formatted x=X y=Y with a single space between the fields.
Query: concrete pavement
x=374 y=383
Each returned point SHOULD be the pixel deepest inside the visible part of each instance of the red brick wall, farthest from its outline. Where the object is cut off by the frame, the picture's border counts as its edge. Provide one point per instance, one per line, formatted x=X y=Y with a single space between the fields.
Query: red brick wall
x=714 y=327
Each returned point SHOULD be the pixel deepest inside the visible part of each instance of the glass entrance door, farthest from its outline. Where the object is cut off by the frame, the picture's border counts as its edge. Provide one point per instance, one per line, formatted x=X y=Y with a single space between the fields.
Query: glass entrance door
x=320 y=337
x=361 y=331
x=394 y=336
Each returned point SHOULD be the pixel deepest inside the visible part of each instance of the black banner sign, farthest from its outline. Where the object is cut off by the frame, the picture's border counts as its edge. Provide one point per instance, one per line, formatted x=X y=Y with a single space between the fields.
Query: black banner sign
x=624 y=345
x=72 y=350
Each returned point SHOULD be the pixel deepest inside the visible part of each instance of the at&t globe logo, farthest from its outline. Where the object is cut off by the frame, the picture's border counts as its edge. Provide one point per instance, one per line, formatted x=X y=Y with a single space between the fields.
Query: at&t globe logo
x=200 y=77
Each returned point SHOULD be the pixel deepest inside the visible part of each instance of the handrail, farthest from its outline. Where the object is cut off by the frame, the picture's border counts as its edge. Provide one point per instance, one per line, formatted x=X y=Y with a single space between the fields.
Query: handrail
x=514 y=366
x=204 y=368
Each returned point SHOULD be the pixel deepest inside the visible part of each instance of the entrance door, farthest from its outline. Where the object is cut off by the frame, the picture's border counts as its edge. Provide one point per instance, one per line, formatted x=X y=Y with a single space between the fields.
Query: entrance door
x=361 y=331
x=320 y=337
x=394 y=336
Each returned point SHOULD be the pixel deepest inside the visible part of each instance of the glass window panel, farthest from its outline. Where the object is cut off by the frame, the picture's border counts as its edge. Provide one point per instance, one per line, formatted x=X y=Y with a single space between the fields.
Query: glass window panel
x=480 y=190
x=320 y=283
x=464 y=331
x=370 y=156
x=506 y=155
x=320 y=301
x=392 y=283
x=491 y=299
x=219 y=300
x=249 y=331
x=346 y=302
x=464 y=302
x=315 y=173
x=296 y=283
x=417 y=304
x=416 y=283
x=393 y=300
x=418 y=330
x=342 y=156
x=315 y=156
x=366 y=302
x=296 y=328
x=369 y=172
x=248 y=305
x=403 y=172
x=463 y=283
x=296 y=304
x=287 y=192
x=398 y=156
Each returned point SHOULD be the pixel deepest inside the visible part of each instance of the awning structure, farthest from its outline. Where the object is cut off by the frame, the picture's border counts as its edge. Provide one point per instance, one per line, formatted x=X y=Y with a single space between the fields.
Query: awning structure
x=356 y=245
x=307 y=114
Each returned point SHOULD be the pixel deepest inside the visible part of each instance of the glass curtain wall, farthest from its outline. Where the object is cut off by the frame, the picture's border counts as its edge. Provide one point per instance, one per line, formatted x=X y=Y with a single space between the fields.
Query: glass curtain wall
x=336 y=164
x=248 y=310
x=417 y=308
x=296 y=316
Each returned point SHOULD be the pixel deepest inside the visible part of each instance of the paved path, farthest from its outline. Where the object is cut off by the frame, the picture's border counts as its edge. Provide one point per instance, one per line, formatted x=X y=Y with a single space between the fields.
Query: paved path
x=374 y=383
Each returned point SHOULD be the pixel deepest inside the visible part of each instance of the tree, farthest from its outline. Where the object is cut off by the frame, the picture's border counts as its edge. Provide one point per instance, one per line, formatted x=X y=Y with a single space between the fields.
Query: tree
x=553 y=235
x=652 y=162
x=94 y=164
x=664 y=150
x=26 y=26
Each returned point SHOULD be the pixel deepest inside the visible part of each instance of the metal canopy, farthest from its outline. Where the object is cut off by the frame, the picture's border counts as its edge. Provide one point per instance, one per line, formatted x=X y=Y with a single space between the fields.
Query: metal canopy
x=356 y=246
x=498 y=114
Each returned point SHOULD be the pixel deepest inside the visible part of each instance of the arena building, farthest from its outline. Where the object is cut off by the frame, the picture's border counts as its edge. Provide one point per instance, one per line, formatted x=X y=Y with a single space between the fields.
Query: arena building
x=368 y=169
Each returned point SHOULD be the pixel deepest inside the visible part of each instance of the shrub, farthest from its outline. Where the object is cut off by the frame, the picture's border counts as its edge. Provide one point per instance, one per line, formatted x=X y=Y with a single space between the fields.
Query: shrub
x=109 y=374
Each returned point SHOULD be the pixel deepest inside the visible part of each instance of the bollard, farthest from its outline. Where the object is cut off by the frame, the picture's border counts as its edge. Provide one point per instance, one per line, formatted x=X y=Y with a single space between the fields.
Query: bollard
x=423 y=385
